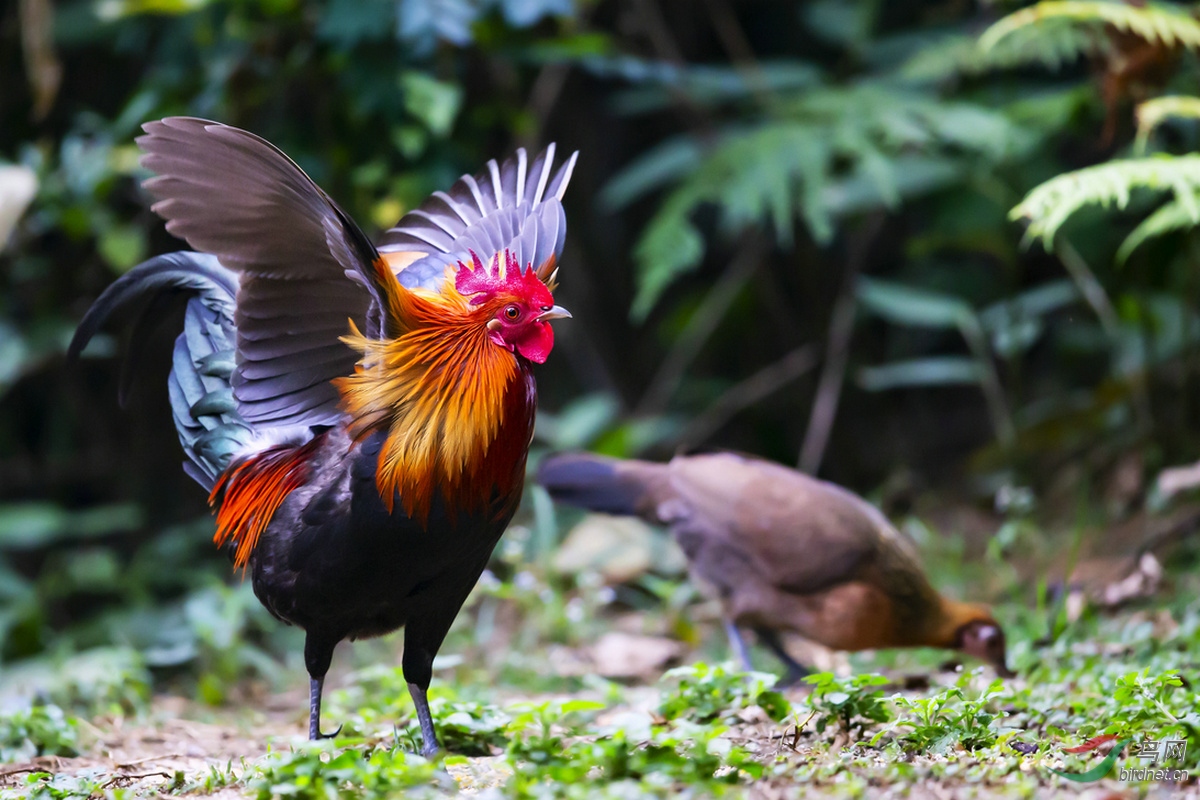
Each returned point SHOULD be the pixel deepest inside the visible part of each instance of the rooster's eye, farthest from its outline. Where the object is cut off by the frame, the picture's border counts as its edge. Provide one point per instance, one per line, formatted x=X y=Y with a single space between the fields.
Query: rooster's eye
x=512 y=312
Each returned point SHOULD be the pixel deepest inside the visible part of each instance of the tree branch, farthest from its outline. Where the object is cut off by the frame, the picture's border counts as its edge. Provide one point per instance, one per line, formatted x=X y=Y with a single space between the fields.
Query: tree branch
x=746 y=393
x=833 y=374
x=702 y=325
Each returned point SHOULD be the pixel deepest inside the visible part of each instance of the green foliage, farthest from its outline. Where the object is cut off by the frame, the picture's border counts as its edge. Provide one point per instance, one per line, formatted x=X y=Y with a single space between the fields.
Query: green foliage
x=64 y=786
x=824 y=154
x=948 y=720
x=104 y=680
x=1154 y=113
x=214 y=779
x=376 y=696
x=921 y=308
x=704 y=693
x=539 y=729
x=1144 y=702
x=1080 y=685
x=660 y=761
x=631 y=753
x=854 y=702
x=422 y=23
x=316 y=771
x=1178 y=214
x=25 y=526
x=891 y=116
x=1039 y=31
x=1054 y=32
x=552 y=746
x=1112 y=184
x=24 y=351
x=43 y=730
x=217 y=631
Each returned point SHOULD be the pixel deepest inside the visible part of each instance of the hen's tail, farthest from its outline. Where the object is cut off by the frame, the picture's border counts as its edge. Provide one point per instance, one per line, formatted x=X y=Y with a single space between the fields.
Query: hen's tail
x=608 y=485
x=210 y=428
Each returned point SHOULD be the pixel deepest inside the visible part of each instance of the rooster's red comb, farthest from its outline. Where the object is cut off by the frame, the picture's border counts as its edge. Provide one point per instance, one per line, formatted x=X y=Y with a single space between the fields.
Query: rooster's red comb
x=481 y=281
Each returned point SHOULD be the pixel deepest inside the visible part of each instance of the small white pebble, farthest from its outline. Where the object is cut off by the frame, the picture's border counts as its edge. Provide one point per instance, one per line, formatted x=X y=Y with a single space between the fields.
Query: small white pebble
x=589 y=579
x=575 y=611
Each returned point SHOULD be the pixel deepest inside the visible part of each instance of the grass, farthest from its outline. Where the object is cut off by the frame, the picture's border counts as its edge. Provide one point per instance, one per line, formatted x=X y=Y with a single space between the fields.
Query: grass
x=518 y=727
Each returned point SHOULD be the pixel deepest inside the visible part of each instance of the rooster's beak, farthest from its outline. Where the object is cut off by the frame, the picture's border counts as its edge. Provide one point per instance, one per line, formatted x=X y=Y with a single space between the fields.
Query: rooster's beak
x=557 y=312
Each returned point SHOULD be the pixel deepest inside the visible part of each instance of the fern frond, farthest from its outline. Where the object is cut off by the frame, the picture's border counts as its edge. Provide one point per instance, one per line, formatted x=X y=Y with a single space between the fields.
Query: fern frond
x=1153 y=113
x=1056 y=31
x=753 y=176
x=1174 y=215
x=1052 y=203
x=882 y=142
x=942 y=60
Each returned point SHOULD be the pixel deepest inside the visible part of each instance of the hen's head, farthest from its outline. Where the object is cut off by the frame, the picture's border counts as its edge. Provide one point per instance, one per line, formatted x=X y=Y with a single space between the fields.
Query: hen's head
x=516 y=302
x=984 y=638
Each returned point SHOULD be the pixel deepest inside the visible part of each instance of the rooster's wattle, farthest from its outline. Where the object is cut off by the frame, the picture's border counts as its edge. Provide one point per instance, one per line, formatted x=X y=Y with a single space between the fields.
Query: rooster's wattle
x=360 y=414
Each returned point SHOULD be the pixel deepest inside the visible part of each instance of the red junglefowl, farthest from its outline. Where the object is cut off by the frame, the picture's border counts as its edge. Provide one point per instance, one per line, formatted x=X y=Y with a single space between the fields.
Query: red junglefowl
x=783 y=552
x=361 y=415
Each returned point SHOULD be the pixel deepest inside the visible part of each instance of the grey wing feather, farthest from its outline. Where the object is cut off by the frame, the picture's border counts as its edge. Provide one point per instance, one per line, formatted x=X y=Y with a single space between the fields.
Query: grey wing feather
x=308 y=403
x=294 y=363
x=515 y=206
x=232 y=194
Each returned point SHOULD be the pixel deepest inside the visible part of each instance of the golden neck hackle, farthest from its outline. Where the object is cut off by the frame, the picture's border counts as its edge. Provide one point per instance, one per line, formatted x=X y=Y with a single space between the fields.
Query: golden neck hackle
x=436 y=384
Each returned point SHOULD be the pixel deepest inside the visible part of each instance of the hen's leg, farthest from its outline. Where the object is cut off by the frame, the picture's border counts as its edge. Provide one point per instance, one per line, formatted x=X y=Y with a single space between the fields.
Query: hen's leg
x=738 y=644
x=795 y=670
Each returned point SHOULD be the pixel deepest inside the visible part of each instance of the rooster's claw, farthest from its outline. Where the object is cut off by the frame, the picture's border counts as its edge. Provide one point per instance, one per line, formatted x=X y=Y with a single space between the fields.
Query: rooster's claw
x=318 y=736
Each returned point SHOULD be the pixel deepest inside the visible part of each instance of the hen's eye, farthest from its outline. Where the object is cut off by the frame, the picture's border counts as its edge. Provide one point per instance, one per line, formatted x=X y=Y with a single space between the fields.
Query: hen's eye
x=512 y=312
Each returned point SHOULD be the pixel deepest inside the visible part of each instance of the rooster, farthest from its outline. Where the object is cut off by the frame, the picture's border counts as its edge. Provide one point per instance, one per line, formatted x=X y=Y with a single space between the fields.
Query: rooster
x=360 y=415
x=783 y=552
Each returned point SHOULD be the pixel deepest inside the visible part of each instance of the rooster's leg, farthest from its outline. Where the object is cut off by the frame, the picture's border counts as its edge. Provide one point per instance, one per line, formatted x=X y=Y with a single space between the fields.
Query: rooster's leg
x=423 y=636
x=795 y=671
x=318 y=652
x=428 y=733
x=738 y=644
x=314 y=710
x=418 y=671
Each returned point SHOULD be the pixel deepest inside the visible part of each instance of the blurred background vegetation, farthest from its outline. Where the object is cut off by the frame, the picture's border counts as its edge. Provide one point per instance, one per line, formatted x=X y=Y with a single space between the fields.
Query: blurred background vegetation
x=938 y=249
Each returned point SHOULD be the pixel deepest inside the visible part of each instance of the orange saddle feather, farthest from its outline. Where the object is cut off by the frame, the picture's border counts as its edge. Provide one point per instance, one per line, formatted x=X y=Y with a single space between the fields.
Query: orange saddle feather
x=251 y=491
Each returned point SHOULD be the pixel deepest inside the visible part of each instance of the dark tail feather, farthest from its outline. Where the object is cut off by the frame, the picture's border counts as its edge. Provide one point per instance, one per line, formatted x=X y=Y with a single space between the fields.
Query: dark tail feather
x=206 y=418
x=149 y=286
x=608 y=485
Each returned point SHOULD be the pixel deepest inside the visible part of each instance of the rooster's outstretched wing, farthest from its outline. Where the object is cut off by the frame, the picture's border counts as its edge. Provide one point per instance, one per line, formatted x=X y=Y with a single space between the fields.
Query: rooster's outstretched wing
x=238 y=197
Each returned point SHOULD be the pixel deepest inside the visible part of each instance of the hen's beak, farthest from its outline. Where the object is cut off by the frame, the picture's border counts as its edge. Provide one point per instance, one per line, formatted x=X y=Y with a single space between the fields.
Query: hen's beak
x=557 y=312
